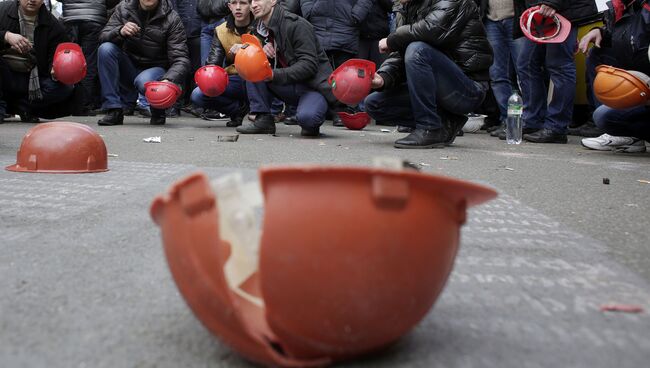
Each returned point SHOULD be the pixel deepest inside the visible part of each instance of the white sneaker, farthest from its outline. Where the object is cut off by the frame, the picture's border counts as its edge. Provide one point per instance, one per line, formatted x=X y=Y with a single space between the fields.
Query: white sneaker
x=474 y=123
x=608 y=142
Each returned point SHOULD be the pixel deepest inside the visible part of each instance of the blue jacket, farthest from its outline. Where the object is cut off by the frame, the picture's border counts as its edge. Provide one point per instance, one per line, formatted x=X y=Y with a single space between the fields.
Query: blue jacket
x=336 y=23
x=186 y=9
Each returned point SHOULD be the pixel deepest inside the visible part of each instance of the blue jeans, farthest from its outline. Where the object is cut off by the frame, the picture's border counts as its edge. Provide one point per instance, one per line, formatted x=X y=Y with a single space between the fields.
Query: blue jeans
x=506 y=52
x=229 y=102
x=207 y=32
x=597 y=56
x=311 y=106
x=121 y=81
x=624 y=123
x=557 y=60
x=433 y=82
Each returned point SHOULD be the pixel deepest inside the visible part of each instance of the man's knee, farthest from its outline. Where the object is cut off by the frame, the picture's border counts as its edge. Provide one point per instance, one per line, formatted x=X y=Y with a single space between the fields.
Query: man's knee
x=197 y=97
x=415 y=50
x=311 y=118
x=107 y=49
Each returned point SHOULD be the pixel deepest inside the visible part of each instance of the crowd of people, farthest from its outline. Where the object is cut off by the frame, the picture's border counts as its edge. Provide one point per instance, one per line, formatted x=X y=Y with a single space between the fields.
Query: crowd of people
x=438 y=63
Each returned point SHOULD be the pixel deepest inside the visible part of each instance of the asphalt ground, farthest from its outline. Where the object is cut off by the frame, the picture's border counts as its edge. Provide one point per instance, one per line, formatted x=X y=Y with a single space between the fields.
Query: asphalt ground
x=84 y=281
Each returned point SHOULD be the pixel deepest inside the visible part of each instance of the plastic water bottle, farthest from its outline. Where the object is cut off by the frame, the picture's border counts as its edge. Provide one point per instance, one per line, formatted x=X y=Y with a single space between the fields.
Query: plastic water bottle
x=513 y=122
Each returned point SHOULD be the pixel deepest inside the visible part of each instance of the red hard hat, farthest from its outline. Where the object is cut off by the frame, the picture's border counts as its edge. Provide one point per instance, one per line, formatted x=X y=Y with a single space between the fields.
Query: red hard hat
x=161 y=95
x=351 y=80
x=541 y=29
x=328 y=281
x=621 y=89
x=69 y=63
x=251 y=61
x=355 y=121
x=61 y=147
x=211 y=79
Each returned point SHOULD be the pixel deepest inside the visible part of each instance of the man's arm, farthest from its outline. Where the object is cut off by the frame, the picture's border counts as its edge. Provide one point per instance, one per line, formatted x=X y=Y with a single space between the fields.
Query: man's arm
x=177 y=53
x=306 y=52
x=443 y=25
x=111 y=32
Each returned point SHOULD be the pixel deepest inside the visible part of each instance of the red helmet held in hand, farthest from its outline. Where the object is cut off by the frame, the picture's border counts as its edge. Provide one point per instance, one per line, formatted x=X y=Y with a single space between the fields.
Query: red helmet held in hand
x=69 y=63
x=211 y=79
x=161 y=95
x=351 y=81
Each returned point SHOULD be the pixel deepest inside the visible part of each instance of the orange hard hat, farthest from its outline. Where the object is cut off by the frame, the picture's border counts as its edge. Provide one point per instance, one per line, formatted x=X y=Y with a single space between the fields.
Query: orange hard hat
x=621 y=89
x=356 y=121
x=251 y=61
x=61 y=147
x=161 y=95
x=351 y=80
x=211 y=79
x=330 y=276
x=69 y=63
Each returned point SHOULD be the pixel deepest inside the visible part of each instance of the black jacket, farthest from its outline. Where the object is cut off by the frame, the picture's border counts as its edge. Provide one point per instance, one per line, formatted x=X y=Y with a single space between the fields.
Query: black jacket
x=160 y=43
x=213 y=10
x=451 y=26
x=628 y=38
x=87 y=10
x=336 y=22
x=49 y=33
x=577 y=11
x=296 y=42
x=375 y=26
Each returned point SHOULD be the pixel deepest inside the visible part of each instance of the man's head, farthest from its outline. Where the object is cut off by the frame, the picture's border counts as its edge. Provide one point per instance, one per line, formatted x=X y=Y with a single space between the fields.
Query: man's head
x=262 y=9
x=241 y=10
x=149 y=4
x=30 y=7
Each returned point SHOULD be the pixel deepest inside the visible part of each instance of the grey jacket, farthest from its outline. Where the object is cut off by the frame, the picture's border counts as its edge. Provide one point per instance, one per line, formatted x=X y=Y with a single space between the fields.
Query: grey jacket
x=87 y=10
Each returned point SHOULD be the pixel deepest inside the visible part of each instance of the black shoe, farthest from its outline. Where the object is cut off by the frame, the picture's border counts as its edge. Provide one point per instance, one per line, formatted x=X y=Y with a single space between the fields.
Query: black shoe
x=211 y=115
x=453 y=124
x=588 y=130
x=492 y=128
x=131 y=110
x=237 y=118
x=263 y=124
x=112 y=117
x=404 y=129
x=26 y=117
x=421 y=138
x=336 y=121
x=157 y=117
x=2 y=118
x=545 y=136
x=172 y=112
x=290 y=120
x=385 y=123
x=193 y=110
x=502 y=134
x=310 y=132
x=497 y=130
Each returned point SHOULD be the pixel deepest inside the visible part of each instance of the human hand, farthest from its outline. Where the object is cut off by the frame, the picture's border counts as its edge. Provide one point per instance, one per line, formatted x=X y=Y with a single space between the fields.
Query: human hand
x=377 y=81
x=18 y=42
x=383 y=46
x=235 y=48
x=594 y=36
x=269 y=50
x=547 y=11
x=129 y=29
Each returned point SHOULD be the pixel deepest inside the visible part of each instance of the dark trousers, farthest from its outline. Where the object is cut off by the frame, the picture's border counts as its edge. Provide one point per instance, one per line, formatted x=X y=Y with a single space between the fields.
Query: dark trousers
x=311 y=106
x=14 y=95
x=230 y=102
x=624 y=123
x=434 y=83
x=194 y=47
x=369 y=50
x=86 y=34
